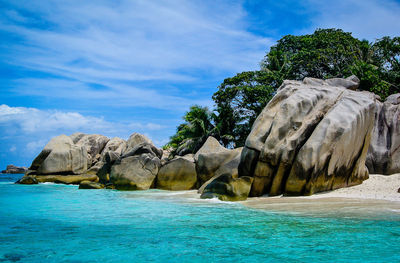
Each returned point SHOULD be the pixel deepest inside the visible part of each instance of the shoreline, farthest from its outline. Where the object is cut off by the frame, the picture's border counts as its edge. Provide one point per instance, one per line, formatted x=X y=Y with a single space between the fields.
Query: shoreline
x=375 y=197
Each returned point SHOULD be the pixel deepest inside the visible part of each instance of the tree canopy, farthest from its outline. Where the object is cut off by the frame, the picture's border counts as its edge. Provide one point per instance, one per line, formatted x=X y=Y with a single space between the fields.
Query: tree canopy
x=326 y=53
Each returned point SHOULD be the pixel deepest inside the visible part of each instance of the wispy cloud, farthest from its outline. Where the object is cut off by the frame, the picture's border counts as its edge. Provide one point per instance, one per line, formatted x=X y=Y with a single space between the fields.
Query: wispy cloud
x=122 y=44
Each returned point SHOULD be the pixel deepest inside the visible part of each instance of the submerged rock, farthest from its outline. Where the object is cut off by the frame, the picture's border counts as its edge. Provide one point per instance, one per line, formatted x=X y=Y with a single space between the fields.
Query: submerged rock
x=66 y=179
x=90 y=185
x=27 y=180
x=311 y=137
x=384 y=151
x=177 y=174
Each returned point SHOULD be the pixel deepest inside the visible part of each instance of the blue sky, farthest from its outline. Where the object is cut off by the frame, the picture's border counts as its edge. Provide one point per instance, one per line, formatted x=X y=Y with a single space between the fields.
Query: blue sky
x=118 y=67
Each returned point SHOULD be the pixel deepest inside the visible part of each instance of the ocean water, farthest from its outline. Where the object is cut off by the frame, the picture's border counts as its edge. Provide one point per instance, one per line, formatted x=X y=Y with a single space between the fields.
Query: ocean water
x=59 y=223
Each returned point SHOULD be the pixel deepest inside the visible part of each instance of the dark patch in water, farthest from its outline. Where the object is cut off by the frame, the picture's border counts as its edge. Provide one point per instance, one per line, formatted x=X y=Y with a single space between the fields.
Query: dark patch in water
x=11 y=257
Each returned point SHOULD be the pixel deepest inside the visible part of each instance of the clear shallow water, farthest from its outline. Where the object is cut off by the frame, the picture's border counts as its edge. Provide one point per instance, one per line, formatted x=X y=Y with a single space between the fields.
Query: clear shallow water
x=59 y=223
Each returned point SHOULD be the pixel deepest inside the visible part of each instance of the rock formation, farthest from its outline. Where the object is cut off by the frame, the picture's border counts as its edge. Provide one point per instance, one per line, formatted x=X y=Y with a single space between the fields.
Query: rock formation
x=12 y=169
x=312 y=136
x=384 y=151
x=178 y=174
x=228 y=188
x=61 y=155
x=212 y=159
x=72 y=159
x=138 y=167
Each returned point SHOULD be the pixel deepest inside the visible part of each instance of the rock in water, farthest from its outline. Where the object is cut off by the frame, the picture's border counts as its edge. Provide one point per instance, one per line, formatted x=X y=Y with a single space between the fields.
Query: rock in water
x=61 y=155
x=66 y=179
x=227 y=188
x=311 y=137
x=27 y=180
x=228 y=166
x=177 y=174
x=384 y=151
x=90 y=185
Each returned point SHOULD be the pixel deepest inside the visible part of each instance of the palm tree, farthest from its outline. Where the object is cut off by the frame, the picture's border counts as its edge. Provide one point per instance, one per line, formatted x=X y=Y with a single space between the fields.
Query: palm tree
x=192 y=134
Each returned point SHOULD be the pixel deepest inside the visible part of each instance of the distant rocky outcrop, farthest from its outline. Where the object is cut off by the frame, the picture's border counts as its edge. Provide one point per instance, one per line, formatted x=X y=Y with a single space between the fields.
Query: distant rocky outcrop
x=12 y=169
x=384 y=151
x=312 y=136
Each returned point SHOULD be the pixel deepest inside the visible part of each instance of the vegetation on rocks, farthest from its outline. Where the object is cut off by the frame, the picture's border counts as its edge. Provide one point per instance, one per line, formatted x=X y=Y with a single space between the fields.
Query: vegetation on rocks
x=327 y=53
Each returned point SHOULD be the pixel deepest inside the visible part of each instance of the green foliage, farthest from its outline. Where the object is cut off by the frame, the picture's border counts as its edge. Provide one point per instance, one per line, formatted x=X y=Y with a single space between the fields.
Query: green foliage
x=239 y=100
x=192 y=134
x=326 y=53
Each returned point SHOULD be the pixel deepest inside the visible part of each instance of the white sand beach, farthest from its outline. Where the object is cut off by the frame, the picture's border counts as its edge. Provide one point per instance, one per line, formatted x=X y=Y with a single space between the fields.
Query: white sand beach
x=379 y=187
x=376 y=196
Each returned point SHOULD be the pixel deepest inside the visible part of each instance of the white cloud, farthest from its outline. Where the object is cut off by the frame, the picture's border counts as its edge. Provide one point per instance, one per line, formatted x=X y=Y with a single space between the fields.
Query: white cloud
x=369 y=19
x=32 y=120
x=13 y=148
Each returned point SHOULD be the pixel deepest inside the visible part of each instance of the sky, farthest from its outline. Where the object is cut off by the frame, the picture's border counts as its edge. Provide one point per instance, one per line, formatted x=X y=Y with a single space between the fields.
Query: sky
x=117 y=67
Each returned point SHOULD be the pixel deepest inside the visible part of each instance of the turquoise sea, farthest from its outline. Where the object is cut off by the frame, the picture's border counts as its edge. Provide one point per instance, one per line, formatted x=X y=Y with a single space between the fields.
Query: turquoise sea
x=59 y=223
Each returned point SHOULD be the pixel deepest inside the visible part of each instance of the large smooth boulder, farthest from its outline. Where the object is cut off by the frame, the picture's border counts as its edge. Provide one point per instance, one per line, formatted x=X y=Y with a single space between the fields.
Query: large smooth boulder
x=227 y=188
x=177 y=174
x=61 y=155
x=229 y=166
x=384 y=151
x=311 y=137
x=138 y=167
x=135 y=172
x=211 y=157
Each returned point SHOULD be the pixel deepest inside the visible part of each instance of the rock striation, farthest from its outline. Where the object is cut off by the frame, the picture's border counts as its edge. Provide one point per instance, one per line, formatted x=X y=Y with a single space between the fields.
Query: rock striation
x=312 y=136
x=384 y=151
